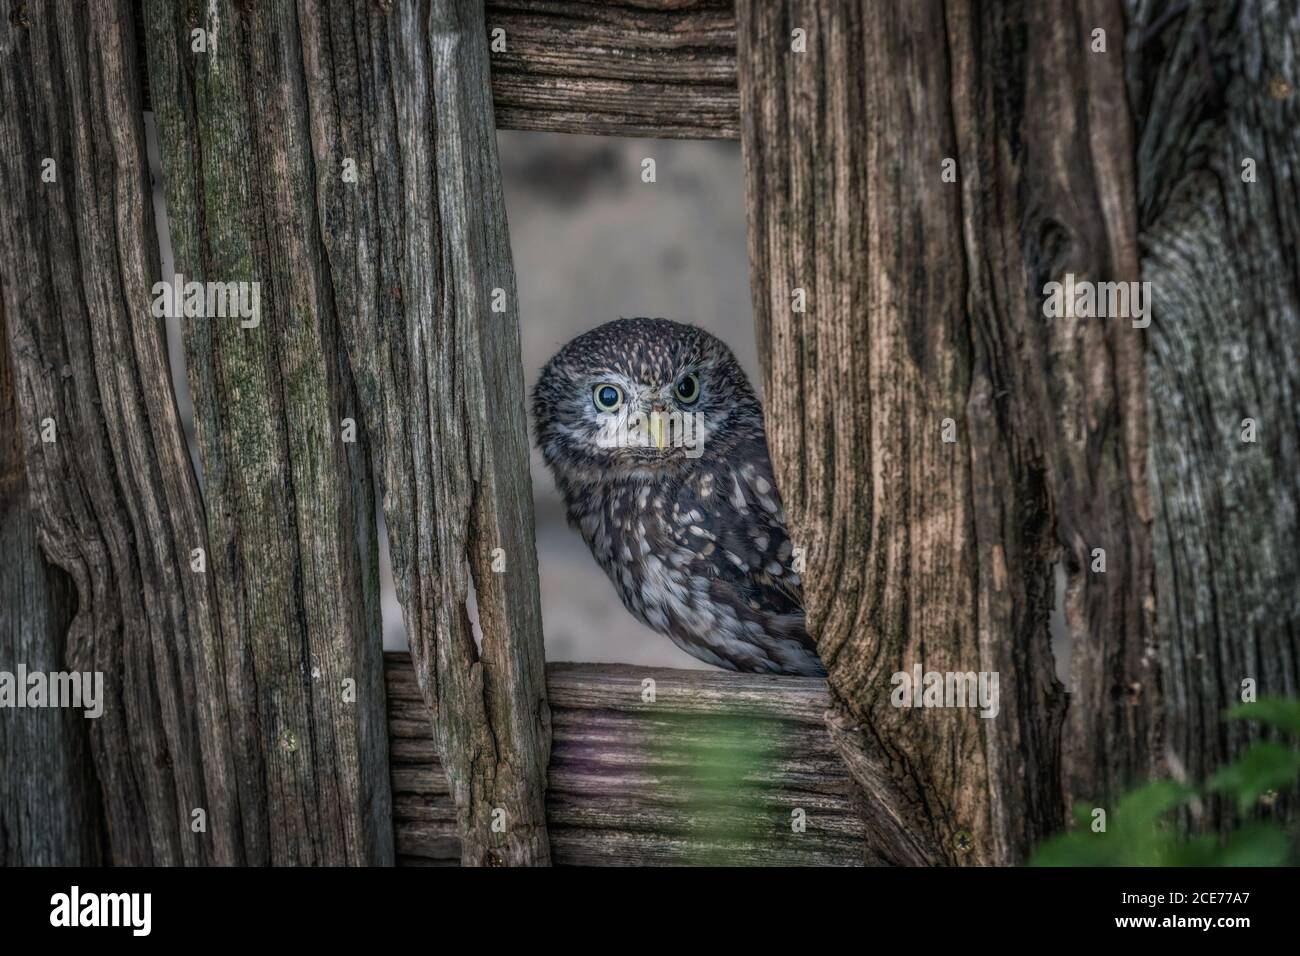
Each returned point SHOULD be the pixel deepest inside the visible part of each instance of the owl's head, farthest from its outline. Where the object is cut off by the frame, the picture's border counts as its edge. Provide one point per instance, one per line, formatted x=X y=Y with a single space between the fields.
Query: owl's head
x=636 y=396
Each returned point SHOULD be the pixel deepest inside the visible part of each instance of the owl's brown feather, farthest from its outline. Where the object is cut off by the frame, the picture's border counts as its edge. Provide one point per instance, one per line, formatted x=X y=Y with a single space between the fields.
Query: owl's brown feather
x=696 y=546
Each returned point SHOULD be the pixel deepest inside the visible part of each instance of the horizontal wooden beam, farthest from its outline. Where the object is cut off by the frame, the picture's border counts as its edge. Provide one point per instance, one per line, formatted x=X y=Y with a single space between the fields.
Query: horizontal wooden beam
x=659 y=68
x=714 y=769
x=662 y=68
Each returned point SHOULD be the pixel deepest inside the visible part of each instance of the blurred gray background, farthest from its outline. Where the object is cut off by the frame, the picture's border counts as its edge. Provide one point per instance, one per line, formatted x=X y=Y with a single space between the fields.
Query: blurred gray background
x=591 y=243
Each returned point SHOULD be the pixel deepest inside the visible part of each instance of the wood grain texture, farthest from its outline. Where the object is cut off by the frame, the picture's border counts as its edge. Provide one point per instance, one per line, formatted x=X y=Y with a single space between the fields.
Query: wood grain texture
x=709 y=772
x=290 y=514
x=1049 y=190
x=1214 y=85
x=114 y=497
x=924 y=302
x=631 y=68
x=415 y=249
x=49 y=798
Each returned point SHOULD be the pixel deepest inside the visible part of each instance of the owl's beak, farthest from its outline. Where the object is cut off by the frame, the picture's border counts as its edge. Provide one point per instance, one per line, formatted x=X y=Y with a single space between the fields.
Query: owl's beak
x=658 y=431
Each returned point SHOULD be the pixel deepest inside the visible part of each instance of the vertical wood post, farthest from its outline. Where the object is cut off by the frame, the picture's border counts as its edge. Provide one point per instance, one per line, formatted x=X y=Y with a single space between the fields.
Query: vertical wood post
x=939 y=443
x=49 y=798
x=420 y=259
x=113 y=495
x=1217 y=92
x=290 y=506
x=367 y=131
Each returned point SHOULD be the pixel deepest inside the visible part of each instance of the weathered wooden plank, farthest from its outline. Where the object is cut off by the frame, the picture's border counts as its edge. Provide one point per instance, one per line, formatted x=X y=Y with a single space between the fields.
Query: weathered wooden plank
x=421 y=276
x=424 y=779
x=415 y=807
x=690 y=777
x=1216 y=89
x=1084 y=383
x=290 y=501
x=620 y=687
x=602 y=801
x=662 y=68
x=49 y=799
x=580 y=847
x=427 y=841
x=940 y=445
x=1073 y=389
x=114 y=497
x=631 y=68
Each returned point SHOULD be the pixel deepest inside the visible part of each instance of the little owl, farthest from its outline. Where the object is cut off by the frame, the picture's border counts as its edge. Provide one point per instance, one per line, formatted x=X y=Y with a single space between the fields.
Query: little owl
x=656 y=442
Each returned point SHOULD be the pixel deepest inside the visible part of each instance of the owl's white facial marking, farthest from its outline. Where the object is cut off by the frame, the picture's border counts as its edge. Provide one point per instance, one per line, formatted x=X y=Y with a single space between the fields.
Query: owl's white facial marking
x=678 y=390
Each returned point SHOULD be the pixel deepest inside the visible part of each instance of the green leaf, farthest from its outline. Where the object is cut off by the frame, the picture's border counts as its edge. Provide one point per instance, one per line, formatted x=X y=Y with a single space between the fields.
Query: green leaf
x=1203 y=850
x=1280 y=712
x=1078 y=849
x=1144 y=806
x=1136 y=833
x=1265 y=766
x=1140 y=831
x=1256 y=844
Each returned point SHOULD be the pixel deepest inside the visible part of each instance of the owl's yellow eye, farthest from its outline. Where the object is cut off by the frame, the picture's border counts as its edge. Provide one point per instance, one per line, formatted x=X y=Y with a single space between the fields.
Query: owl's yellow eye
x=688 y=389
x=607 y=397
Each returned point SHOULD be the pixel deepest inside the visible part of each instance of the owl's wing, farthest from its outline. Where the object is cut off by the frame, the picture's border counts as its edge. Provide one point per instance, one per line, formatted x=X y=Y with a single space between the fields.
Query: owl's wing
x=729 y=514
x=724 y=561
